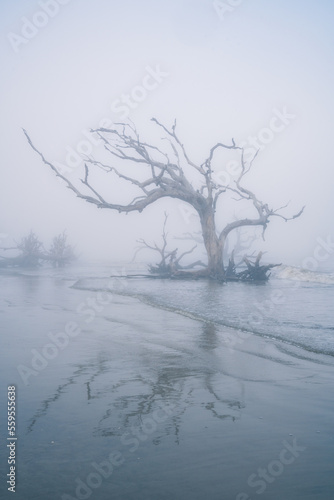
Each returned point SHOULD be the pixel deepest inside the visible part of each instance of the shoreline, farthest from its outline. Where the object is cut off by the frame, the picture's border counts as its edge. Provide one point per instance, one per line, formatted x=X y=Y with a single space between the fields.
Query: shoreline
x=238 y=334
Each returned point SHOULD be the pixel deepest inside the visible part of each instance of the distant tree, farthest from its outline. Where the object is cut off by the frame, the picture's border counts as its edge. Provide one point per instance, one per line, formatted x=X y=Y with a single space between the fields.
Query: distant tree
x=60 y=253
x=31 y=249
x=32 y=252
x=169 y=172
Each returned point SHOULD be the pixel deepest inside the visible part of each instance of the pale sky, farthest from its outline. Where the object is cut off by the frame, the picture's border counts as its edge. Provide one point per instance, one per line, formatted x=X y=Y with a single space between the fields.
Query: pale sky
x=219 y=76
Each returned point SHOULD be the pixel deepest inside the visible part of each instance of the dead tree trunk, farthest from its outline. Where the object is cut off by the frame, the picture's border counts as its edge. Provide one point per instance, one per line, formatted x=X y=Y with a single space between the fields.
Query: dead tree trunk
x=212 y=244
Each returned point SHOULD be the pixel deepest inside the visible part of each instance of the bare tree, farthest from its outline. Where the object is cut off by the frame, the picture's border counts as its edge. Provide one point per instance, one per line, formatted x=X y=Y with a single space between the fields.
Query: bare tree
x=168 y=172
x=60 y=253
x=169 y=259
x=31 y=249
x=32 y=252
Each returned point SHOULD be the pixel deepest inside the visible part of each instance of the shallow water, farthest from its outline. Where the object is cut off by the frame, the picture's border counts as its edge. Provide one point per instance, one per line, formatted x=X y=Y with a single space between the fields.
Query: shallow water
x=297 y=312
x=180 y=410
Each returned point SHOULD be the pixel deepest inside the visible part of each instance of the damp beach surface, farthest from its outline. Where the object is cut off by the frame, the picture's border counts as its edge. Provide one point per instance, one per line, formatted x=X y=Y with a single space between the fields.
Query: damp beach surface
x=122 y=397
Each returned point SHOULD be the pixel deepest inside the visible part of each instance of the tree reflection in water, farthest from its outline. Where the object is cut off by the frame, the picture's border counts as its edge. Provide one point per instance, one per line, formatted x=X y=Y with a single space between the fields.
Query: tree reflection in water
x=184 y=380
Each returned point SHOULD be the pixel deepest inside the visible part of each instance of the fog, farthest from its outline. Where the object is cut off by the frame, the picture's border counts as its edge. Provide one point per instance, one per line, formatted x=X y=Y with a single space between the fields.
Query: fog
x=223 y=70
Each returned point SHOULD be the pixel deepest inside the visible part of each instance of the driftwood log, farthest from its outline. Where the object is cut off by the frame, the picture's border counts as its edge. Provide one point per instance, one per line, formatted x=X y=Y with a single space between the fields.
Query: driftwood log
x=254 y=271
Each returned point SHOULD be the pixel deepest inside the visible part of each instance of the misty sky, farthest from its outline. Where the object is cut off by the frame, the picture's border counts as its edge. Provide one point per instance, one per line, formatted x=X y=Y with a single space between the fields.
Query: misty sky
x=220 y=74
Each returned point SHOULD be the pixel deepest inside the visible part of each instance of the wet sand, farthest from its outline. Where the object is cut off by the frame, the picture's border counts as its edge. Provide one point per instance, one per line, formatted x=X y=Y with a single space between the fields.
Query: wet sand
x=140 y=403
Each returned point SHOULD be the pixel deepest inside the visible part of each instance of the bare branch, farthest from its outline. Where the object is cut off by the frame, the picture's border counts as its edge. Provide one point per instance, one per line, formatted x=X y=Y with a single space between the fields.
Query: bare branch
x=214 y=148
x=174 y=136
x=185 y=253
x=263 y=210
x=86 y=183
x=173 y=186
x=288 y=218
